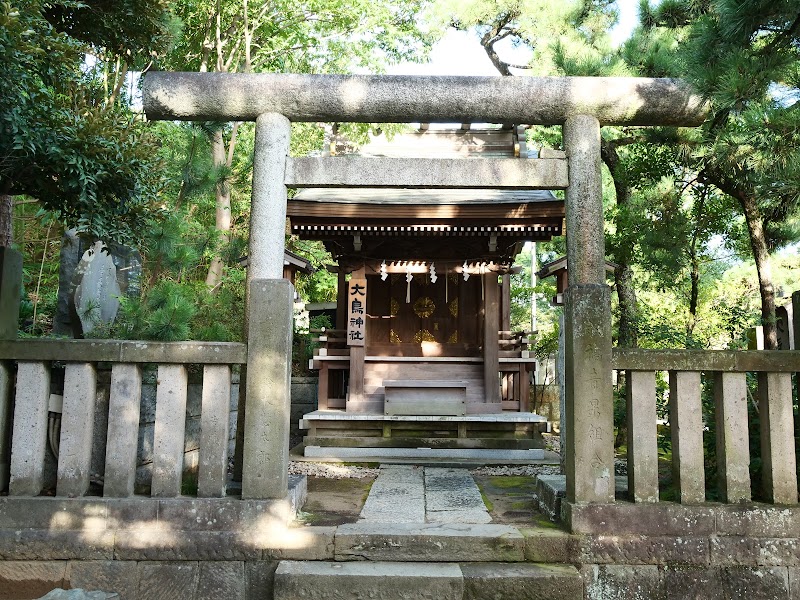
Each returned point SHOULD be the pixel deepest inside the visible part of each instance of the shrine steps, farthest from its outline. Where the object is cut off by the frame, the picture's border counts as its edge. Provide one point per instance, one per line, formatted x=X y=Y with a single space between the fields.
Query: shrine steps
x=427 y=533
x=375 y=373
x=494 y=437
x=425 y=580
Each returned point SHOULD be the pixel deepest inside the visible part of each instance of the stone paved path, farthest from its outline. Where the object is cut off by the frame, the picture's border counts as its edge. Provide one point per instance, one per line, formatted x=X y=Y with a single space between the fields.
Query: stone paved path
x=411 y=494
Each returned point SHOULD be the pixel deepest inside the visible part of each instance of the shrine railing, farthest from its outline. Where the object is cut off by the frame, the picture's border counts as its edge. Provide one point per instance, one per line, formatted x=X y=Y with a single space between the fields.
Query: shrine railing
x=731 y=395
x=513 y=344
x=25 y=390
x=515 y=364
x=332 y=359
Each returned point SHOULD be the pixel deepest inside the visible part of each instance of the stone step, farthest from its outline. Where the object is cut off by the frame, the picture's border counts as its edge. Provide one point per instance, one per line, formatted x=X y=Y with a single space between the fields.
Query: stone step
x=498 y=456
x=312 y=580
x=552 y=489
x=429 y=542
x=401 y=441
x=521 y=581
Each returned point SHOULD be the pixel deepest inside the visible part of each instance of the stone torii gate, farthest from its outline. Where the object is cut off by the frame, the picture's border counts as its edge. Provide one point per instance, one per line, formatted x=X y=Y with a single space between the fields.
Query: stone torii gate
x=580 y=104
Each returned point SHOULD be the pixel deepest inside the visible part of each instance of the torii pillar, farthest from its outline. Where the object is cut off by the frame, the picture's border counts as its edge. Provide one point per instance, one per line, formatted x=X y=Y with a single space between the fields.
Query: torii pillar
x=587 y=318
x=270 y=299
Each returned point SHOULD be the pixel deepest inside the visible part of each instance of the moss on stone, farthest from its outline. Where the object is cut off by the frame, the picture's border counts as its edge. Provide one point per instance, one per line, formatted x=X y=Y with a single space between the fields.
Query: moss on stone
x=523 y=482
x=489 y=504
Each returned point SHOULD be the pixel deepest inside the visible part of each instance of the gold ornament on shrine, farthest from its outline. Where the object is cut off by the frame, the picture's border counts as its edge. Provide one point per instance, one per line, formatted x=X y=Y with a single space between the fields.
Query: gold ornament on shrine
x=424 y=307
x=454 y=307
x=423 y=335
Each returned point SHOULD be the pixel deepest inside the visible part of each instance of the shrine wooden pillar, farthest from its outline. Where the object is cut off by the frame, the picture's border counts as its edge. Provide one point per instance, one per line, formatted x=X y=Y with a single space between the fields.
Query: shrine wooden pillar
x=355 y=392
x=505 y=321
x=341 y=299
x=491 y=346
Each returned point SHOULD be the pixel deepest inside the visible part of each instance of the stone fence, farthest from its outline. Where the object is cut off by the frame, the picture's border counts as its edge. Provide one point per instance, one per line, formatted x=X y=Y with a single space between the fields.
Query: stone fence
x=728 y=371
x=102 y=420
x=687 y=371
x=25 y=374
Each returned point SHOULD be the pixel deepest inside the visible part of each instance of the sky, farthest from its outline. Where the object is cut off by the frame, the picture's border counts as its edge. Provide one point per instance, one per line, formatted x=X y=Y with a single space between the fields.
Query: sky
x=460 y=53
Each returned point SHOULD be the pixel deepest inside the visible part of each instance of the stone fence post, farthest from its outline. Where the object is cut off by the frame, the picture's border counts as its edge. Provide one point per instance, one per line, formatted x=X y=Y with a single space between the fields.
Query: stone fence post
x=587 y=316
x=10 y=288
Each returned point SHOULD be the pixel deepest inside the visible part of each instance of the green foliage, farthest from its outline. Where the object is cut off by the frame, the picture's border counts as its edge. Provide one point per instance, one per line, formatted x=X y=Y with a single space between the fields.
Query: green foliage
x=521 y=294
x=546 y=343
x=61 y=140
x=313 y=36
x=124 y=28
x=550 y=28
x=303 y=346
x=172 y=311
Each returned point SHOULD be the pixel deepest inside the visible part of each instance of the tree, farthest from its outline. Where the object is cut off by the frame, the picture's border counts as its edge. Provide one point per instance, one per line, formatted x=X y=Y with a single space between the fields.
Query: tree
x=65 y=139
x=531 y=23
x=314 y=36
x=567 y=38
x=743 y=56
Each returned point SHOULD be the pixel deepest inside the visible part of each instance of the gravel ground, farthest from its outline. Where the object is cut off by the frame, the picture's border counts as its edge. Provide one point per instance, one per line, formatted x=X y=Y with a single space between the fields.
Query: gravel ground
x=552 y=442
x=339 y=471
x=331 y=471
x=517 y=470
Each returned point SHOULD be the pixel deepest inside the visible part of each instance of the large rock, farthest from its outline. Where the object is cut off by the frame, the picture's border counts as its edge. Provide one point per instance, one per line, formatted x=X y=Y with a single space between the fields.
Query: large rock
x=126 y=260
x=97 y=295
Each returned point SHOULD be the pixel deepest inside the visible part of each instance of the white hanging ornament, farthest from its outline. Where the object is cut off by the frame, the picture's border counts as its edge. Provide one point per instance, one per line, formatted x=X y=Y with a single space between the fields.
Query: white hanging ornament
x=464 y=271
x=384 y=274
x=432 y=270
x=409 y=278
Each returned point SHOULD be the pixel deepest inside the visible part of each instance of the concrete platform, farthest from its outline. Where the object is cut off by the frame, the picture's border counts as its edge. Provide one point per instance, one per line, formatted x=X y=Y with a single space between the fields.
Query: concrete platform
x=443 y=460
x=381 y=454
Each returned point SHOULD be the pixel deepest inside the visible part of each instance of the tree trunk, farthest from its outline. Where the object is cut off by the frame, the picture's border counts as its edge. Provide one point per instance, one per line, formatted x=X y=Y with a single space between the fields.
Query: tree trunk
x=694 y=297
x=758 y=243
x=694 y=292
x=626 y=296
x=223 y=197
x=623 y=275
x=6 y=220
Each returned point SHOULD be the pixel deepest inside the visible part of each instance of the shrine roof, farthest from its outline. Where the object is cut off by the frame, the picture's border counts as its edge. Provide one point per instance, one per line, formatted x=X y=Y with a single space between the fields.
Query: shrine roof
x=423 y=196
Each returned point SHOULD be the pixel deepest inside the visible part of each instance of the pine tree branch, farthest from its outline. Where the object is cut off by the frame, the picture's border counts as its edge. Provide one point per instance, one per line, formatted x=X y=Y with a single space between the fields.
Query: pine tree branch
x=500 y=29
x=784 y=38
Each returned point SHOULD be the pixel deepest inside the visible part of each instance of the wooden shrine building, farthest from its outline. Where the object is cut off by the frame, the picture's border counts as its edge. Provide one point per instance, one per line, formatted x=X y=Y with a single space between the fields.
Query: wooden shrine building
x=423 y=310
